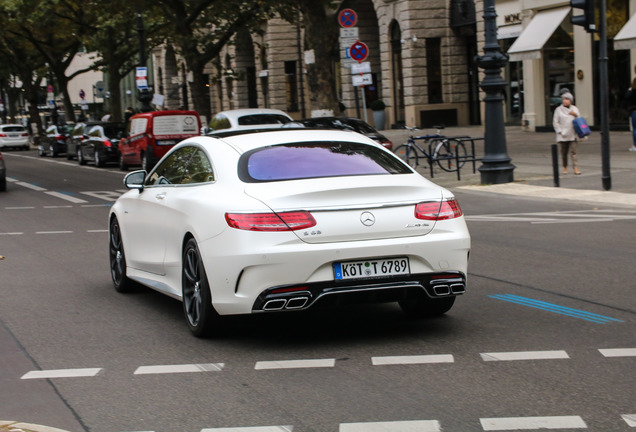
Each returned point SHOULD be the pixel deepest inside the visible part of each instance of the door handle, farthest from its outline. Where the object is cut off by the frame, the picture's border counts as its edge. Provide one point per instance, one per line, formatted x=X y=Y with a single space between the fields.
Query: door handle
x=160 y=196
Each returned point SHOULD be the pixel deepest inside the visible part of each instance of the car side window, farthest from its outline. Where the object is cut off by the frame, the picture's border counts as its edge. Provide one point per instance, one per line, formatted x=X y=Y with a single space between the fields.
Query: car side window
x=95 y=132
x=220 y=122
x=187 y=165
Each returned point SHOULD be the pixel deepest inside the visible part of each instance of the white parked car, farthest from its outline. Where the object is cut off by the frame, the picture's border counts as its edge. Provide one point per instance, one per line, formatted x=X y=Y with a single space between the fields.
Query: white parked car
x=14 y=135
x=248 y=118
x=287 y=219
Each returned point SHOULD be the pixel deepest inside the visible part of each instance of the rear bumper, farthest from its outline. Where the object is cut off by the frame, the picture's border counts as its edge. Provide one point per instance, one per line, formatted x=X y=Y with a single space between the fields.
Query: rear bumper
x=299 y=297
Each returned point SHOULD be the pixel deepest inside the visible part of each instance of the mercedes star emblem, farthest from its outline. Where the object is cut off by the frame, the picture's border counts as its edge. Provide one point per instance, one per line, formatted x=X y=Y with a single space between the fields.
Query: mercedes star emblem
x=367 y=218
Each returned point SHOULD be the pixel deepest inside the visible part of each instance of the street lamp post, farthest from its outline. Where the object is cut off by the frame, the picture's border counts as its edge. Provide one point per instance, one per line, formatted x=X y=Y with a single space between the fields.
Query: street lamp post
x=144 y=94
x=496 y=167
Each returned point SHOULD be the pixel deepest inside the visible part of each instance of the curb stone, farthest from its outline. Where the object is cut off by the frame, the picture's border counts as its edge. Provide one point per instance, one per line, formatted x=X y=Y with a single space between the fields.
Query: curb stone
x=11 y=426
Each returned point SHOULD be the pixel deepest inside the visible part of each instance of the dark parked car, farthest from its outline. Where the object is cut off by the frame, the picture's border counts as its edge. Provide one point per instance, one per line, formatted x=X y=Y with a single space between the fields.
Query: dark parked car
x=101 y=144
x=347 y=123
x=78 y=134
x=3 y=175
x=55 y=140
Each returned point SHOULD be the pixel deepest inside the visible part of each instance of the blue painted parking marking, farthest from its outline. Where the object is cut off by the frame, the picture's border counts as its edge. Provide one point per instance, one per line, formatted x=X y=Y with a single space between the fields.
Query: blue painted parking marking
x=587 y=316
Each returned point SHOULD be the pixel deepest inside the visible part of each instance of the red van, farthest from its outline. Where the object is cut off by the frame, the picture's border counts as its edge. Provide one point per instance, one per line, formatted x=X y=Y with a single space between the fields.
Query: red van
x=150 y=135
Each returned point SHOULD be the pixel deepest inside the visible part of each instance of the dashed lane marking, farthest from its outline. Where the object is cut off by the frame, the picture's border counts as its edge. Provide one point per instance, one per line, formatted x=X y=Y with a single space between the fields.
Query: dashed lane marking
x=66 y=197
x=251 y=429
x=406 y=360
x=396 y=426
x=62 y=373
x=532 y=423
x=30 y=186
x=557 y=217
x=186 y=368
x=295 y=364
x=54 y=232
x=619 y=352
x=630 y=419
x=524 y=355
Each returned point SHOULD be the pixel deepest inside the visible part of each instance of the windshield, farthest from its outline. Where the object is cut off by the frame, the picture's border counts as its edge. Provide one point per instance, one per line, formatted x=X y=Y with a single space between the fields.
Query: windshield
x=317 y=159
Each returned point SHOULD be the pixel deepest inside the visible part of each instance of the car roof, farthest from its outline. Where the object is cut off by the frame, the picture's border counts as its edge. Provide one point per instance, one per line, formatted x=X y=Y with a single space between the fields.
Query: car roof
x=236 y=113
x=245 y=141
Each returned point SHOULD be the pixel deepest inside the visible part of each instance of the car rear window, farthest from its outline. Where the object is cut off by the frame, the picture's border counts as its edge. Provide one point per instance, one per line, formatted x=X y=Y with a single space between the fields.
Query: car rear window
x=317 y=159
x=13 y=129
x=262 y=119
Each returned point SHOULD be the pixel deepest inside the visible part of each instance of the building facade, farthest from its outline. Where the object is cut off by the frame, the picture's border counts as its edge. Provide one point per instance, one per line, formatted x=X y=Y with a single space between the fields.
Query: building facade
x=422 y=62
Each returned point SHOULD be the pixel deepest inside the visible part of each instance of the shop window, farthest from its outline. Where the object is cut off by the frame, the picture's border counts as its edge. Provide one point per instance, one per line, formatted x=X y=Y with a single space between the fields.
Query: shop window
x=434 y=70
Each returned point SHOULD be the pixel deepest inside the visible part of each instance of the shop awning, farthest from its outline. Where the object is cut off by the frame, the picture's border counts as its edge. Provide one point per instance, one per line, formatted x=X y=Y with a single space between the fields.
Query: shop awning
x=531 y=40
x=509 y=32
x=626 y=38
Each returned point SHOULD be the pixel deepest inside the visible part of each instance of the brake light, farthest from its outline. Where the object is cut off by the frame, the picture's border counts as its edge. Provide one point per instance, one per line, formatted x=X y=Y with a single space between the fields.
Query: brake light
x=286 y=221
x=107 y=143
x=436 y=210
x=3 y=135
x=25 y=134
x=60 y=138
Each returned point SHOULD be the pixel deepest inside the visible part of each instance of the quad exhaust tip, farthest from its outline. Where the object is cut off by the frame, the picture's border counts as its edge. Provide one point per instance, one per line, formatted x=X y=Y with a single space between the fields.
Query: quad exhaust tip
x=280 y=304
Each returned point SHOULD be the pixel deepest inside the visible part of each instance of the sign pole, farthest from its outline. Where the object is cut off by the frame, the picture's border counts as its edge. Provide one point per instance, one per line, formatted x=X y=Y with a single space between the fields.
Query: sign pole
x=364 y=104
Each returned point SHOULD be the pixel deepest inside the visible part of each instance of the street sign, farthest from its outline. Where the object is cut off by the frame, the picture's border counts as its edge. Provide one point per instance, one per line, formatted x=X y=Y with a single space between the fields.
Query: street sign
x=362 y=80
x=347 y=18
x=82 y=94
x=349 y=33
x=359 y=51
x=99 y=89
x=142 y=78
x=361 y=68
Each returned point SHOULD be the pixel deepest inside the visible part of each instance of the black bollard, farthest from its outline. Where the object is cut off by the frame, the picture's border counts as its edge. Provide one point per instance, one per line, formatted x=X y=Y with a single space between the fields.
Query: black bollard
x=555 y=165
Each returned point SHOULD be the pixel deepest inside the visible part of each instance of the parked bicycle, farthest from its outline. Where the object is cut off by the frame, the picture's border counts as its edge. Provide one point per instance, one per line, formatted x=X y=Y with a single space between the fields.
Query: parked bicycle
x=449 y=153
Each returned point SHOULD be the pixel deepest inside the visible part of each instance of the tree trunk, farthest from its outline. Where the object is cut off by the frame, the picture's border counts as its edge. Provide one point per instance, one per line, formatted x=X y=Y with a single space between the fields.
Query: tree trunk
x=321 y=36
x=114 y=78
x=200 y=92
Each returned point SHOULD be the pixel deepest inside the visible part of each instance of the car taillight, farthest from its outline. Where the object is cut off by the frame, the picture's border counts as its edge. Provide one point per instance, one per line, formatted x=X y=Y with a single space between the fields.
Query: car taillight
x=286 y=221
x=60 y=138
x=436 y=210
x=3 y=135
x=25 y=134
x=107 y=143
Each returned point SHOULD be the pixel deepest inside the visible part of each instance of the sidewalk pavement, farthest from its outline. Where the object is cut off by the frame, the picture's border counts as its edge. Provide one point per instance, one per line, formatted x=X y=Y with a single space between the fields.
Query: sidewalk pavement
x=533 y=176
x=9 y=426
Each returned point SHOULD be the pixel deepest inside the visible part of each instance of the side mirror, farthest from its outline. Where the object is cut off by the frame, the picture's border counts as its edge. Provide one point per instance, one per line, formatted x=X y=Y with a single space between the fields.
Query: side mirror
x=135 y=180
x=205 y=130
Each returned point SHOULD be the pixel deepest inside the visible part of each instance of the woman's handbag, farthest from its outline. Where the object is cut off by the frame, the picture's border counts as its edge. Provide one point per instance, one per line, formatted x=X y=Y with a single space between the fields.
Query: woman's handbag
x=580 y=127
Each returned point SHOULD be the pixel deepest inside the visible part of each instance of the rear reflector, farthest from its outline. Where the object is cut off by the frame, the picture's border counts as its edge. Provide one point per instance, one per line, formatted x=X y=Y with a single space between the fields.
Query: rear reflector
x=286 y=221
x=436 y=210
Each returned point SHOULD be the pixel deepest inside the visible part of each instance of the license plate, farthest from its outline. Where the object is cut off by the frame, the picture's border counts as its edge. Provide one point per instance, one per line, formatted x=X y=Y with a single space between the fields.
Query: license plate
x=13 y=135
x=371 y=268
x=166 y=142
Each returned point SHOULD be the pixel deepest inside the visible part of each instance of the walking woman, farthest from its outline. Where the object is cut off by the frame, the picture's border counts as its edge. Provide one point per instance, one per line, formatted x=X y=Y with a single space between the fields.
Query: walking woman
x=565 y=135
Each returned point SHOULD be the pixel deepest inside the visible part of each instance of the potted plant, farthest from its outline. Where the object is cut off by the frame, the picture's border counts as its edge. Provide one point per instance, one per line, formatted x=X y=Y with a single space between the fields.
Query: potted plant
x=379 y=116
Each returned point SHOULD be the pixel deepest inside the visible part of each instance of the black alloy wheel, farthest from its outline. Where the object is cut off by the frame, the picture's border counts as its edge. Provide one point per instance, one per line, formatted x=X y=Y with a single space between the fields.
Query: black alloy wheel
x=98 y=160
x=201 y=317
x=118 y=259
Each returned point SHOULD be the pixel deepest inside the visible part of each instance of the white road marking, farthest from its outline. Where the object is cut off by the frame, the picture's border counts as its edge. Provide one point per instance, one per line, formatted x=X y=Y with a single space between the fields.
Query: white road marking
x=11 y=233
x=630 y=419
x=556 y=217
x=62 y=373
x=66 y=197
x=532 y=423
x=524 y=355
x=97 y=231
x=104 y=195
x=404 y=360
x=252 y=429
x=397 y=426
x=295 y=364
x=619 y=352
x=185 y=368
x=30 y=186
x=19 y=208
x=58 y=206
x=54 y=232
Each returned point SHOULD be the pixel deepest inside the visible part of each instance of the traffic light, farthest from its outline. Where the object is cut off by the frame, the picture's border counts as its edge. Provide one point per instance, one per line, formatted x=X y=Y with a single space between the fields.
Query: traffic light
x=588 y=19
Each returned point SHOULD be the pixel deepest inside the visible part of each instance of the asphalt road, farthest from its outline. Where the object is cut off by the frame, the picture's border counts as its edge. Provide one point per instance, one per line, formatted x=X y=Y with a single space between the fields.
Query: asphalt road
x=545 y=337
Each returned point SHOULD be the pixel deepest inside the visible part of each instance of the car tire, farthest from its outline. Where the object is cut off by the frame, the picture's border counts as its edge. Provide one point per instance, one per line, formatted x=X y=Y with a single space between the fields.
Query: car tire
x=52 y=151
x=145 y=162
x=424 y=307
x=201 y=317
x=117 y=259
x=80 y=157
x=122 y=164
x=69 y=155
x=3 y=185
x=41 y=151
x=98 y=160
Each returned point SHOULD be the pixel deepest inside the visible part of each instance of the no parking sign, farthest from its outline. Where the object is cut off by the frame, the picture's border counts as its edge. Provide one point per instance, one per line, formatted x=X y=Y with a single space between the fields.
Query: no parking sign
x=359 y=51
x=347 y=18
